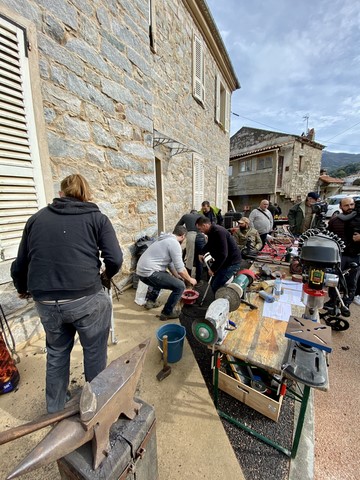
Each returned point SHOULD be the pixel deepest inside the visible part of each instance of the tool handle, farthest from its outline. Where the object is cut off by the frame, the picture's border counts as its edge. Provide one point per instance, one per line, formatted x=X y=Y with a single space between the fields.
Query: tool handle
x=37 y=424
x=165 y=350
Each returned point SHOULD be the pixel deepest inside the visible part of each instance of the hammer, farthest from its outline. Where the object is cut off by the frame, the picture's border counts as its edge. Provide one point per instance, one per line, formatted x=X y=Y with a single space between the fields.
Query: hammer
x=166 y=370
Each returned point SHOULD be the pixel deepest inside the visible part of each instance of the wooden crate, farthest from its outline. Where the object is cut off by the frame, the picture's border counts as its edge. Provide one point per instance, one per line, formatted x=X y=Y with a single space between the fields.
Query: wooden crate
x=250 y=397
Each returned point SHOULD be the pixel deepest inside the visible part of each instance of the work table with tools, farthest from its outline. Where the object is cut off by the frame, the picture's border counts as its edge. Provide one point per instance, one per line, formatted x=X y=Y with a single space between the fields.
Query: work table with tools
x=259 y=341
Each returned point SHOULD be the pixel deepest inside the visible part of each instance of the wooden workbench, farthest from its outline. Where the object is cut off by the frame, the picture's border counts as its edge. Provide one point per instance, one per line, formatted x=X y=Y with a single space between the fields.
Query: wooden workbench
x=258 y=340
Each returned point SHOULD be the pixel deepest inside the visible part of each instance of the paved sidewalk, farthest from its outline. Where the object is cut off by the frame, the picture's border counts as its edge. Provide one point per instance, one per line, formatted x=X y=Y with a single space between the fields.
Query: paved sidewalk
x=190 y=435
x=337 y=412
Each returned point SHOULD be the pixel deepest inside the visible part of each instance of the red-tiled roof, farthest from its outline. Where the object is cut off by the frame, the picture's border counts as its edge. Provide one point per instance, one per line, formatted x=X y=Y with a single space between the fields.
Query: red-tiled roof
x=258 y=150
x=328 y=179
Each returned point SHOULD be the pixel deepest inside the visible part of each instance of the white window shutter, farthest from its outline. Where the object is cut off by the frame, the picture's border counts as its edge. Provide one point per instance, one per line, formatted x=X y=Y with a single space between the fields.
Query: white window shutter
x=21 y=184
x=217 y=99
x=227 y=112
x=198 y=181
x=219 y=187
x=198 y=69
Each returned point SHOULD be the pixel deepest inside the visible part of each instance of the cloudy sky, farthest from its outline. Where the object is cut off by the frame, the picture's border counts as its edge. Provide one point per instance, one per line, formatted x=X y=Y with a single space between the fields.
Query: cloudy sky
x=295 y=59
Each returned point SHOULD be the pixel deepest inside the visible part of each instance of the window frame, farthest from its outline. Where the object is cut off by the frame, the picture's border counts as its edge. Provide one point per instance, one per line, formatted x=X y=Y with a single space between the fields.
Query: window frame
x=219 y=187
x=198 y=65
x=198 y=181
x=22 y=186
x=266 y=160
x=222 y=104
x=152 y=26
x=246 y=163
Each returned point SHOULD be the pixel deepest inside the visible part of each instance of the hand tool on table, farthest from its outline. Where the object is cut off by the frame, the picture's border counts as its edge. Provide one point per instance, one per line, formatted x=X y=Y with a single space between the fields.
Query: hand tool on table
x=102 y=401
x=166 y=370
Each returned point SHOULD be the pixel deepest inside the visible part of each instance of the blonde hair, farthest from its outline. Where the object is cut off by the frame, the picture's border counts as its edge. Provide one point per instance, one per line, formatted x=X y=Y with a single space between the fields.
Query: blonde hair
x=77 y=187
x=245 y=220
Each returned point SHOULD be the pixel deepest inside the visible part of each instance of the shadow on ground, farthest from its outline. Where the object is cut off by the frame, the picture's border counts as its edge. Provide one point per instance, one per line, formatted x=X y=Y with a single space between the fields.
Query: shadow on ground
x=255 y=457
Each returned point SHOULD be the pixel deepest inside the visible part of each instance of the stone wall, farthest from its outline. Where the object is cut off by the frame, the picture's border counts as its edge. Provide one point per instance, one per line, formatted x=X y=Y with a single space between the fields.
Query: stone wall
x=103 y=91
x=96 y=94
x=179 y=116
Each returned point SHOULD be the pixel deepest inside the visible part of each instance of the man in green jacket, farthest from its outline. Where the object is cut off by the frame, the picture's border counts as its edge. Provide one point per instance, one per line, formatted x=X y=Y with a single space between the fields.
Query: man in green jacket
x=300 y=215
x=213 y=213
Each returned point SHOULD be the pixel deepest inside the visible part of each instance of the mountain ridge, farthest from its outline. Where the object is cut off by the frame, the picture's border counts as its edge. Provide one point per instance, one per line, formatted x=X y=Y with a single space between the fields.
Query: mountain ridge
x=336 y=160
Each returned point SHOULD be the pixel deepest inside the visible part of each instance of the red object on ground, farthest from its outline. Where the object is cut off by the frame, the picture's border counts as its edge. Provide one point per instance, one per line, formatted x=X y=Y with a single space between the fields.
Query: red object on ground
x=9 y=374
x=189 y=296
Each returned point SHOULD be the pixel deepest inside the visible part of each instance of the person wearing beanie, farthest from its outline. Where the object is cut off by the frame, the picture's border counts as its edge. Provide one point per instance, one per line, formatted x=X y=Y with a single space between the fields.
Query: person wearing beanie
x=300 y=215
x=247 y=237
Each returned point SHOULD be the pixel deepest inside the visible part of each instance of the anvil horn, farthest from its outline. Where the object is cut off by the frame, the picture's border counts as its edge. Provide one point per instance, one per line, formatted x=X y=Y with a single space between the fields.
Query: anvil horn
x=102 y=401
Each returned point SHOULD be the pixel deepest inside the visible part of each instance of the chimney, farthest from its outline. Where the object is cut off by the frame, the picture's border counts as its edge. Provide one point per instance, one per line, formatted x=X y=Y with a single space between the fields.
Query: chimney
x=311 y=134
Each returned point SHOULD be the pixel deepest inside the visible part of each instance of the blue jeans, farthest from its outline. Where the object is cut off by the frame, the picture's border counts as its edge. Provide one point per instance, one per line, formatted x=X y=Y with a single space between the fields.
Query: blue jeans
x=200 y=242
x=90 y=317
x=159 y=280
x=223 y=275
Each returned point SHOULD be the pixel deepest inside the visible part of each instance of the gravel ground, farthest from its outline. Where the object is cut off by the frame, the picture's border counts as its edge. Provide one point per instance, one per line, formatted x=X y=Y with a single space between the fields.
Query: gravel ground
x=258 y=460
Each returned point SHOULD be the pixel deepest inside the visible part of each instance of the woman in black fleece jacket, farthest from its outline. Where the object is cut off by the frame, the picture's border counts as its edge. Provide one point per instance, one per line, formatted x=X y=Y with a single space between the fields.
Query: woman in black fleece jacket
x=58 y=264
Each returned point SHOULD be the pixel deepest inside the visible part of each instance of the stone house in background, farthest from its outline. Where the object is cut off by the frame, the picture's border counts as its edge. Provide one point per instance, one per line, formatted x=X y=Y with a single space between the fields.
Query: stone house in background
x=135 y=95
x=329 y=186
x=280 y=167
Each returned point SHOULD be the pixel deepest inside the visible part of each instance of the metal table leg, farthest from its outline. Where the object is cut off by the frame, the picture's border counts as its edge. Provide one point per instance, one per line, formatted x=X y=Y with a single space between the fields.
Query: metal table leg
x=299 y=426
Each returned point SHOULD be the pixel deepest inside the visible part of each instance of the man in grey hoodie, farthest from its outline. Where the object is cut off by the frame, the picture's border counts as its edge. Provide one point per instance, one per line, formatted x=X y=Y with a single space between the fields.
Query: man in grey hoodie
x=152 y=268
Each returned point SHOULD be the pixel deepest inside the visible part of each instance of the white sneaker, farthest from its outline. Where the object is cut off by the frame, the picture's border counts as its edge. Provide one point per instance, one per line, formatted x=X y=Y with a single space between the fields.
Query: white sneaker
x=357 y=300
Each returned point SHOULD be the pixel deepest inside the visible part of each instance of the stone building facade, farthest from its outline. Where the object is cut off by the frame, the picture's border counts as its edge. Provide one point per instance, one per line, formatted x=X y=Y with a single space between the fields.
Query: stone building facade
x=280 y=167
x=135 y=95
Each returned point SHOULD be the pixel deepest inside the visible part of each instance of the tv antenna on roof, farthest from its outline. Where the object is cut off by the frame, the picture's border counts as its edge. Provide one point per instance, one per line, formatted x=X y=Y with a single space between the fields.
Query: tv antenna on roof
x=306 y=118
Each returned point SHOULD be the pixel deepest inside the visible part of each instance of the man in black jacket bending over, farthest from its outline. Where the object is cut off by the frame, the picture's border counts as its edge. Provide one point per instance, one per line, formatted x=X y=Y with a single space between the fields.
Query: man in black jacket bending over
x=58 y=265
x=222 y=247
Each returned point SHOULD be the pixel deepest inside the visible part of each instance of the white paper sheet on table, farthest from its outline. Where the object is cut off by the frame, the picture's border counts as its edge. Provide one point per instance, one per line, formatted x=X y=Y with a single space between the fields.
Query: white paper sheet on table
x=277 y=310
x=291 y=297
x=290 y=285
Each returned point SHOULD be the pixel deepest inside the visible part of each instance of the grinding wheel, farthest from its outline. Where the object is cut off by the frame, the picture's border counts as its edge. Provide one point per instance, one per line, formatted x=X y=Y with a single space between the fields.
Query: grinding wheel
x=204 y=332
x=232 y=293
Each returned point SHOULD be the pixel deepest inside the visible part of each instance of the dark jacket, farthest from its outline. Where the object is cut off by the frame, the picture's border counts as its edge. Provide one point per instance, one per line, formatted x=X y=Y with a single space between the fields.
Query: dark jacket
x=296 y=217
x=58 y=256
x=222 y=247
x=345 y=226
x=214 y=214
x=189 y=220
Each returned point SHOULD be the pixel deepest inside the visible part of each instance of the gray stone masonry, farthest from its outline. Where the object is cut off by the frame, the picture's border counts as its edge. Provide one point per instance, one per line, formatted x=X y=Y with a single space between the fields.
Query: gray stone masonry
x=101 y=92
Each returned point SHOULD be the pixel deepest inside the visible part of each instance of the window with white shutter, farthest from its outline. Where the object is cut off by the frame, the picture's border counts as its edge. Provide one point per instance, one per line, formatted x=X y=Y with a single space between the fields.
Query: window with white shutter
x=219 y=187
x=21 y=183
x=222 y=104
x=198 y=181
x=198 y=69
